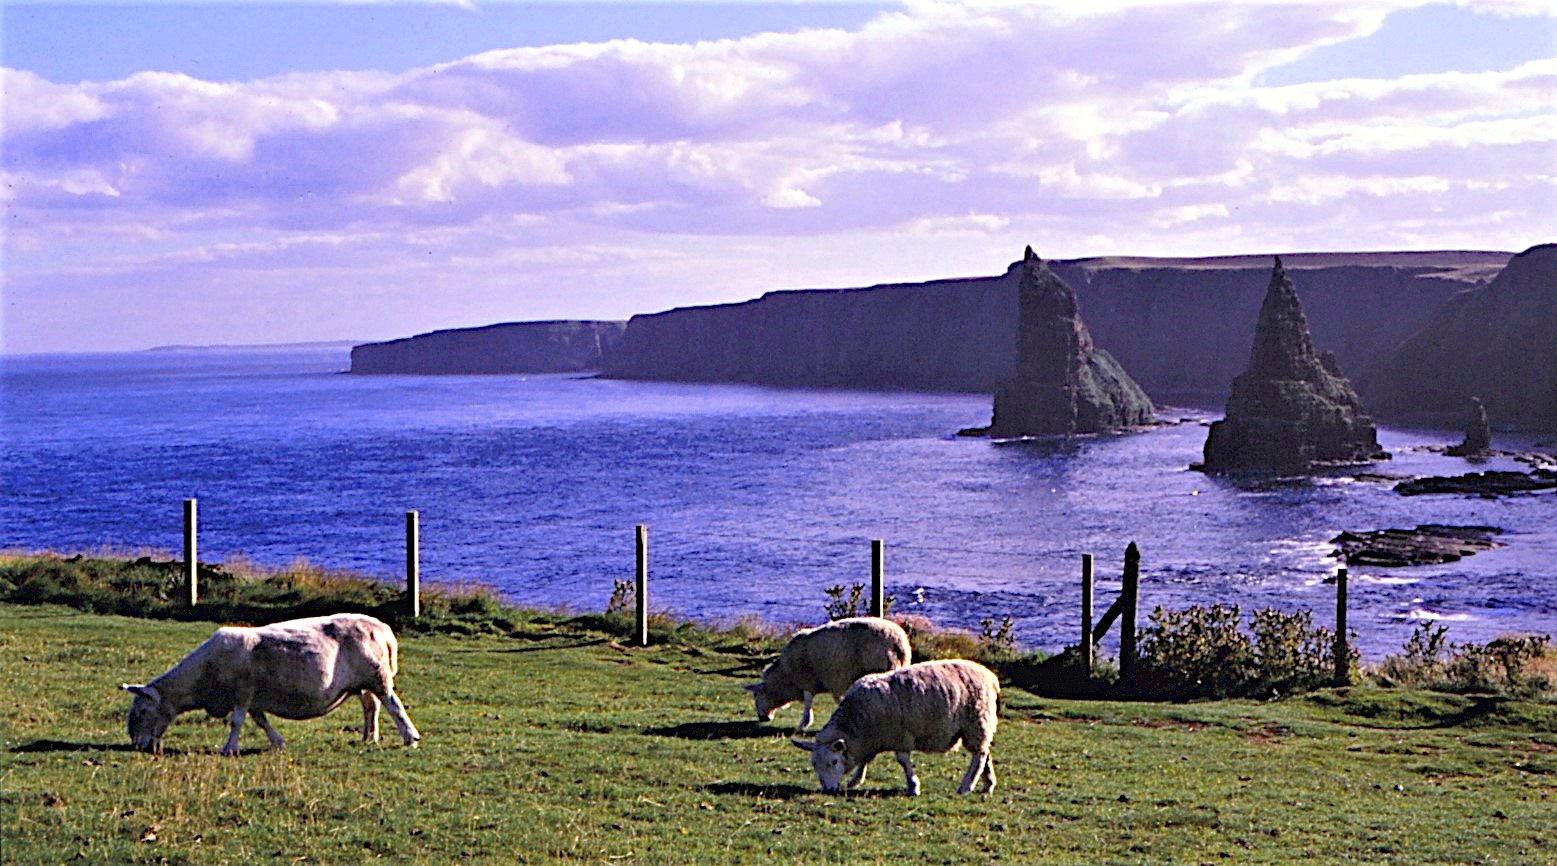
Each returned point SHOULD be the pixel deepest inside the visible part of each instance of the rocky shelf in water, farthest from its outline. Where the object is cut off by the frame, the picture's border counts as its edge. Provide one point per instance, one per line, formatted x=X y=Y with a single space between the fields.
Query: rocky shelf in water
x=1488 y=484
x=1428 y=544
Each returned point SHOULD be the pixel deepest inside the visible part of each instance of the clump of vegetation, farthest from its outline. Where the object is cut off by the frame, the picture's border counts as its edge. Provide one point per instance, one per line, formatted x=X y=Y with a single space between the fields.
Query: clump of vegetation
x=238 y=591
x=1203 y=652
x=847 y=601
x=1514 y=665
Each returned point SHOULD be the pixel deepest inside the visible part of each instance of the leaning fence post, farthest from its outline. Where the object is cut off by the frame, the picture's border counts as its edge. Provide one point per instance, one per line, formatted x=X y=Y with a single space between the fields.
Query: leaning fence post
x=1132 y=579
x=641 y=589
x=1343 y=655
x=191 y=550
x=413 y=564
x=878 y=579
x=1086 y=614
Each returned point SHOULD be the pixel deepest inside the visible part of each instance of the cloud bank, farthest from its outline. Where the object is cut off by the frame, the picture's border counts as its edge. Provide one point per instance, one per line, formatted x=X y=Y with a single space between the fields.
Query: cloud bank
x=605 y=179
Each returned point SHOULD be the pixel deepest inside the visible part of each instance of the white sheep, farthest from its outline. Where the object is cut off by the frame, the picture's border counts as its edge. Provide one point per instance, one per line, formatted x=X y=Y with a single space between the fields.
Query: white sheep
x=927 y=707
x=829 y=658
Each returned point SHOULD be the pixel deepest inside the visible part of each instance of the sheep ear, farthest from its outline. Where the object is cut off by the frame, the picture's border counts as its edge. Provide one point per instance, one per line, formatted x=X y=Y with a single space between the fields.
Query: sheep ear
x=143 y=691
x=754 y=688
x=836 y=745
x=806 y=745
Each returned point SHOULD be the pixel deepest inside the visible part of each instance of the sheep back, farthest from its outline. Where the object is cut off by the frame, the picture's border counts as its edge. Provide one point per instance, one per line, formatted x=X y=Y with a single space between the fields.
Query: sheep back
x=927 y=707
x=831 y=657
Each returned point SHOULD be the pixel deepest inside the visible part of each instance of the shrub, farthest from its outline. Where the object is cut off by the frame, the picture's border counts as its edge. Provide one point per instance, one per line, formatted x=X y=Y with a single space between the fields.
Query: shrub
x=1195 y=652
x=840 y=606
x=1513 y=665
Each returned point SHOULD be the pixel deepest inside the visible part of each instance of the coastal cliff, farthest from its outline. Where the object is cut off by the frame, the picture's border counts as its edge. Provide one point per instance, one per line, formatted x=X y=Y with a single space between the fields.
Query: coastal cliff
x=515 y=347
x=1496 y=342
x=1180 y=326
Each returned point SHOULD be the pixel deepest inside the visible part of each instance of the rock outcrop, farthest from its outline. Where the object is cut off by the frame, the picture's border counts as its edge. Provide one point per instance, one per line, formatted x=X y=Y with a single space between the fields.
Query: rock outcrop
x=1291 y=408
x=1180 y=326
x=1428 y=544
x=1497 y=342
x=1488 y=485
x=1063 y=383
x=515 y=347
x=1478 y=433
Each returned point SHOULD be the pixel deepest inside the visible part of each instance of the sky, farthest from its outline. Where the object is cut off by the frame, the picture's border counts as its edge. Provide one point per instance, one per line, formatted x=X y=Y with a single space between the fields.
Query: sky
x=226 y=173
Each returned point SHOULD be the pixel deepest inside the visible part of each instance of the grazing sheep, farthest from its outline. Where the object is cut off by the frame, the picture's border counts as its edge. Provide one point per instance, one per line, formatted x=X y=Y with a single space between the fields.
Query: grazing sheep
x=829 y=658
x=928 y=707
x=300 y=669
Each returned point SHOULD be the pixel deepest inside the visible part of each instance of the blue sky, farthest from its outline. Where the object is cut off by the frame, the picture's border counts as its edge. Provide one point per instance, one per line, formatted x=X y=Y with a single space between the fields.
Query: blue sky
x=231 y=173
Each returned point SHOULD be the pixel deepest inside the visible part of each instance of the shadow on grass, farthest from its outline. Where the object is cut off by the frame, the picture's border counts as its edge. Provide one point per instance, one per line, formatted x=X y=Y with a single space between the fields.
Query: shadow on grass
x=748 y=730
x=1480 y=708
x=768 y=792
x=64 y=746
x=790 y=792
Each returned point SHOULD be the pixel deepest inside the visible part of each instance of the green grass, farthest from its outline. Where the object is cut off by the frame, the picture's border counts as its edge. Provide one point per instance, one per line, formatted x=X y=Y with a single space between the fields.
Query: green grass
x=552 y=742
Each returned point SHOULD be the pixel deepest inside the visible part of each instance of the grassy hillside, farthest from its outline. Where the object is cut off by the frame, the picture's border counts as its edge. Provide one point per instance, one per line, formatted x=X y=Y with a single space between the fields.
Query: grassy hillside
x=553 y=743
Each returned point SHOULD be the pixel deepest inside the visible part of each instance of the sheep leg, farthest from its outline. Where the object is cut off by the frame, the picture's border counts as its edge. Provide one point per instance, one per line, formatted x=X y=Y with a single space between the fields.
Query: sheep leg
x=805 y=714
x=370 y=705
x=859 y=775
x=236 y=719
x=402 y=721
x=271 y=734
x=910 y=781
x=979 y=766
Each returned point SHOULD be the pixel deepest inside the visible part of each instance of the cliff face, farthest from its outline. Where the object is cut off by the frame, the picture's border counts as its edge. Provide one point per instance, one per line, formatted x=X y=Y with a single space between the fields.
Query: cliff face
x=1497 y=342
x=1292 y=407
x=516 y=347
x=1063 y=384
x=1181 y=327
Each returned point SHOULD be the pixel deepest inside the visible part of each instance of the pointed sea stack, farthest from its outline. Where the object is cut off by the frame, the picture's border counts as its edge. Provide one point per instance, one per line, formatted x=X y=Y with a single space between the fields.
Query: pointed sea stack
x=1063 y=384
x=1292 y=408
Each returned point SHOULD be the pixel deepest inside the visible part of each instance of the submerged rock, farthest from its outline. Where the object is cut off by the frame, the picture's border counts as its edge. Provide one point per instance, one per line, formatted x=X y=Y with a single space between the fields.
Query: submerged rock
x=1478 y=433
x=1292 y=408
x=1428 y=544
x=1063 y=383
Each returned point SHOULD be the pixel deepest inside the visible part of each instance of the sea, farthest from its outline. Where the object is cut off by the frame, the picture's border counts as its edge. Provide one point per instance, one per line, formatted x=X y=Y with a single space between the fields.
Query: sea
x=756 y=500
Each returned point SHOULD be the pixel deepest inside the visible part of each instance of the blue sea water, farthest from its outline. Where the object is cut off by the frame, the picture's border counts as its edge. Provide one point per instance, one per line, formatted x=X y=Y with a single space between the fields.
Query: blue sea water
x=756 y=499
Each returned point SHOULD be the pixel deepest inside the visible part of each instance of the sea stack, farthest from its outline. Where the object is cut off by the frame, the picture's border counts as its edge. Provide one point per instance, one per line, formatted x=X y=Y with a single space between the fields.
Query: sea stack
x=1291 y=408
x=1478 y=433
x=1063 y=384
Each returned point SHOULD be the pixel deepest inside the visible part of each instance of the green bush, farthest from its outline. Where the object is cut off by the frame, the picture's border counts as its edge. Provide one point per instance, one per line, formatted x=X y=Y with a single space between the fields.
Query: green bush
x=1513 y=665
x=1202 y=652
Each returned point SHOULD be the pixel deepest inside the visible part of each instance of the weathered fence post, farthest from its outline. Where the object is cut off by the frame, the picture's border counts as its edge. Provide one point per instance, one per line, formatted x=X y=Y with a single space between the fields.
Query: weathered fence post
x=641 y=589
x=1132 y=580
x=1343 y=655
x=878 y=578
x=413 y=564
x=191 y=550
x=1086 y=614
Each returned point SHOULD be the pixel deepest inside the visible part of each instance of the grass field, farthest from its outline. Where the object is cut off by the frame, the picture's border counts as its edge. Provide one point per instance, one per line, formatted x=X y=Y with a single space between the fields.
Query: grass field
x=557 y=744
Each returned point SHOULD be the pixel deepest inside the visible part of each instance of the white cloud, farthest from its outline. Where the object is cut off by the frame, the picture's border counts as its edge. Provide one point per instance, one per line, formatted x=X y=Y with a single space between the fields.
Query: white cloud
x=1123 y=127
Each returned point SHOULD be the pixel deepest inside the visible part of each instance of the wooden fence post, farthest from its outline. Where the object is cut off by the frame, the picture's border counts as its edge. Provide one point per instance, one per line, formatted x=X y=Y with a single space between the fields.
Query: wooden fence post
x=413 y=564
x=1132 y=580
x=1086 y=614
x=1343 y=655
x=878 y=578
x=641 y=589
x=191 y=550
